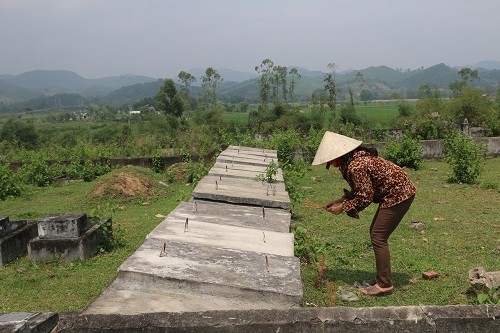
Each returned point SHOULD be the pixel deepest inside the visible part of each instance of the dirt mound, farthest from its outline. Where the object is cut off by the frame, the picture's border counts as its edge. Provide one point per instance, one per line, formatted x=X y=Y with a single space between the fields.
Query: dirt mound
x=124 y=184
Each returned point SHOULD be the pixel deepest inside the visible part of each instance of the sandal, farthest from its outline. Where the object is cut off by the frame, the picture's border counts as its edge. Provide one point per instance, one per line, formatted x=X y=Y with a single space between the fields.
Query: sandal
x=376 y=290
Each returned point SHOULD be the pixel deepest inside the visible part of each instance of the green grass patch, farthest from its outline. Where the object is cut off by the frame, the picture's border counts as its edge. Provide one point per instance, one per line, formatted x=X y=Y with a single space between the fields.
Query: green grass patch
x=461 y=231
x=58 y=286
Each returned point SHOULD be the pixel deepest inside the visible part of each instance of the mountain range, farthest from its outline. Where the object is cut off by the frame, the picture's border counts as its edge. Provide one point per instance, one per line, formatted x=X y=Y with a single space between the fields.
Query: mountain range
x=44 y=88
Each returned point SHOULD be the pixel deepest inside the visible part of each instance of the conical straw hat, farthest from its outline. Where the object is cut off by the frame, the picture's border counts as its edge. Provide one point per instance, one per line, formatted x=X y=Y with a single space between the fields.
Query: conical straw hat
x=334 y=145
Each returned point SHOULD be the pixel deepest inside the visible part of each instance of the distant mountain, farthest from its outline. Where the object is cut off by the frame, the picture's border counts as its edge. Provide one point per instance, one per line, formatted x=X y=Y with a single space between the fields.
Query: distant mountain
x=488 y=64
x=228 y=75
x=48 y=82
x=54 y=89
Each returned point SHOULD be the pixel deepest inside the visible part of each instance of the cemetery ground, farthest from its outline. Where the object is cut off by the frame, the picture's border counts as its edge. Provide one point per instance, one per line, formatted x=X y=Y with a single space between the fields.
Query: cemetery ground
x=460 y=230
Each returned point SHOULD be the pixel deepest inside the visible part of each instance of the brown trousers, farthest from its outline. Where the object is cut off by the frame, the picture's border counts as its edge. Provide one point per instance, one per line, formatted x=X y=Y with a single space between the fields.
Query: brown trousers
x=383 y=224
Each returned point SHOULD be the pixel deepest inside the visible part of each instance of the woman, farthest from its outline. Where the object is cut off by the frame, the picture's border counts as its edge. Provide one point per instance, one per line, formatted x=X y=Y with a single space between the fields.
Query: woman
x=372 y=179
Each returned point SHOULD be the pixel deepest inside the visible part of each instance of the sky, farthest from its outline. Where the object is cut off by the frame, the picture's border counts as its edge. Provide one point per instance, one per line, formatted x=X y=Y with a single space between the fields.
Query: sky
x=160 y=38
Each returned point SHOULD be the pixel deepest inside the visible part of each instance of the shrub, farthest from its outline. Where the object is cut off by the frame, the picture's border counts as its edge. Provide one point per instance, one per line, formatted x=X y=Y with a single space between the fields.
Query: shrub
x=37 y=173
x=8 y=186
x=465 y=157
x=405 y=152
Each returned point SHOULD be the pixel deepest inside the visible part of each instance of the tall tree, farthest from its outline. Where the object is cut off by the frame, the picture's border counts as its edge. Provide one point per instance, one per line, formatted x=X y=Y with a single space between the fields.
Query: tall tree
x=168 y=100
x=265 y=69
x=331 y=87
x=468 y=75
x=209 y=83
x=186 y=79
x=294 y=76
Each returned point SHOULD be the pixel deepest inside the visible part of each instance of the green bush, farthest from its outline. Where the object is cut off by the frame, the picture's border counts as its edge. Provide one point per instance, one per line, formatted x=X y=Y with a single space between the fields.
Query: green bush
x=405 y=152
x=8 y=186
x=37 y=173
x=465 y=157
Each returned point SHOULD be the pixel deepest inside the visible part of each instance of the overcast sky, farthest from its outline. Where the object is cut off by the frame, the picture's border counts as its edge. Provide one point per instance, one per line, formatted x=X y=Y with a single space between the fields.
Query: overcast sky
x=159 y=38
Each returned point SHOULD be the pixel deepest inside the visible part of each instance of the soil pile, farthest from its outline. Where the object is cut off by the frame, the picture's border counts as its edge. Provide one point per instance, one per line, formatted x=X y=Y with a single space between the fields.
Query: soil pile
x=124 y=185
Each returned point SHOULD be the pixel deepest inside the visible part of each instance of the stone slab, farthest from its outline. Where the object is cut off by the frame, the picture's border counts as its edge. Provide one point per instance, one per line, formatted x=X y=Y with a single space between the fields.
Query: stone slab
x=415 y=319
x=15 y=243
x=272 y=219
x=242 y=191
x=7 y=226
x=242 y=171
x=223 y=236
x=225 y=271
x=65 y=249
x=28 y=322
x=62 y=226
x=244 y=159
x=123 y=297
x=251 y=151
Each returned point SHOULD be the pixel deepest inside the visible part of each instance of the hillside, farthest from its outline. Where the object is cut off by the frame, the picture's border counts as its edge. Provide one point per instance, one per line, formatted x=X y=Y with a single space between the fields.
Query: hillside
x=36 y=88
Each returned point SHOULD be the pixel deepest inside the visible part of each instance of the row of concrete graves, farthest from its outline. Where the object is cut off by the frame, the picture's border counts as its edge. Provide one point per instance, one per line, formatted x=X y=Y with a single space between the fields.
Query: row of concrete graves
x=67 y=237
x=228 y=248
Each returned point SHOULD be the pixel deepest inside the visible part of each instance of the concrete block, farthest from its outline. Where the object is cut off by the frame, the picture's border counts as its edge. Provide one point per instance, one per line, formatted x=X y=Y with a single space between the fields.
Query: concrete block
x=242 y=171
x=245 y=159
x=65 y=249
x=223 y=236
x=14 y=244
x=242 y=191
x=260 y=218
x=7 y=226
x=193 y=263
x=236 y=150
x=62 y=226
x=482 y=280
x=28 y=322
x=415 y=319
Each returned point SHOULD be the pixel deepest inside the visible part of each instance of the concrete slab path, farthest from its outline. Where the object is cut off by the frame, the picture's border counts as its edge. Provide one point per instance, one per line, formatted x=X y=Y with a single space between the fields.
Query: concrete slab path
x=230 y=247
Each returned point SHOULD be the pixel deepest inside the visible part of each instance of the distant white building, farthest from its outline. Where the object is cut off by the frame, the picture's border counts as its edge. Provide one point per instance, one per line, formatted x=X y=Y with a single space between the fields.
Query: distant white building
x=135 y=112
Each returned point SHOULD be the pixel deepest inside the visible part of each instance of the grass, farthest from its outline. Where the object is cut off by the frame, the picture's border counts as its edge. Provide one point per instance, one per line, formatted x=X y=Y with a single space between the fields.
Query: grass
x=466 y=235
x=462 y=231
x=58 y=286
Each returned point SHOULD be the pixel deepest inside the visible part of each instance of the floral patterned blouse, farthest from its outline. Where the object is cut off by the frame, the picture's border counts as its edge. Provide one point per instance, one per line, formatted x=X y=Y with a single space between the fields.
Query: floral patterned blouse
x=374 y=179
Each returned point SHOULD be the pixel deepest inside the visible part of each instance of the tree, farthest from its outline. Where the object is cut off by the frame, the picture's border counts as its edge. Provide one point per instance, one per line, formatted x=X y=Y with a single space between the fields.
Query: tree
x=265 y=69
x=210 y=82
x=331 y=87
x=471 y=104
x=186 y=79
x=20 y=133
x=468 y=75
x=294 y=75
x=168 y=100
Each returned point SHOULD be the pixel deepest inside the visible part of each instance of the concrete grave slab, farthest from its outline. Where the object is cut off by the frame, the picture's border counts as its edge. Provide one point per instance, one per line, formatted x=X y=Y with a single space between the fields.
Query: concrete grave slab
x=15 y=243
x=177 y=266
x=245 y=159
x=65 y=249
x=62 y=226
x=242 y=191
x=271 y=153
x=223 y=236
x=238 y=170
x=260 y=218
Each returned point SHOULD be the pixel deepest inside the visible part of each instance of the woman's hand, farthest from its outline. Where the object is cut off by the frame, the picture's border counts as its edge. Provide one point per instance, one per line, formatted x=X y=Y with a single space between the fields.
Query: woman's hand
x=328 y=205
x=335 y=208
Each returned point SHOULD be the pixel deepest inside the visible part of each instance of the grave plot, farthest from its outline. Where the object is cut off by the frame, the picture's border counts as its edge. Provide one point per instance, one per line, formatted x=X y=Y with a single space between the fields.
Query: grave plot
x=240 y=170
x=228 y=248
x=67 y=237
x=14 y=238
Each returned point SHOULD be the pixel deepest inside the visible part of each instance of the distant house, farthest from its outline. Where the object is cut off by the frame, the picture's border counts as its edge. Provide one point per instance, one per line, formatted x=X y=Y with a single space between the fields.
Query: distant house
x=135 y=112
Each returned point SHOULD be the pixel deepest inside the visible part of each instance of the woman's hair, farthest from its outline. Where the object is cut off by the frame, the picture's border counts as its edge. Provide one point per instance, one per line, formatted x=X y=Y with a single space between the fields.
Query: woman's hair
x=373 y=151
